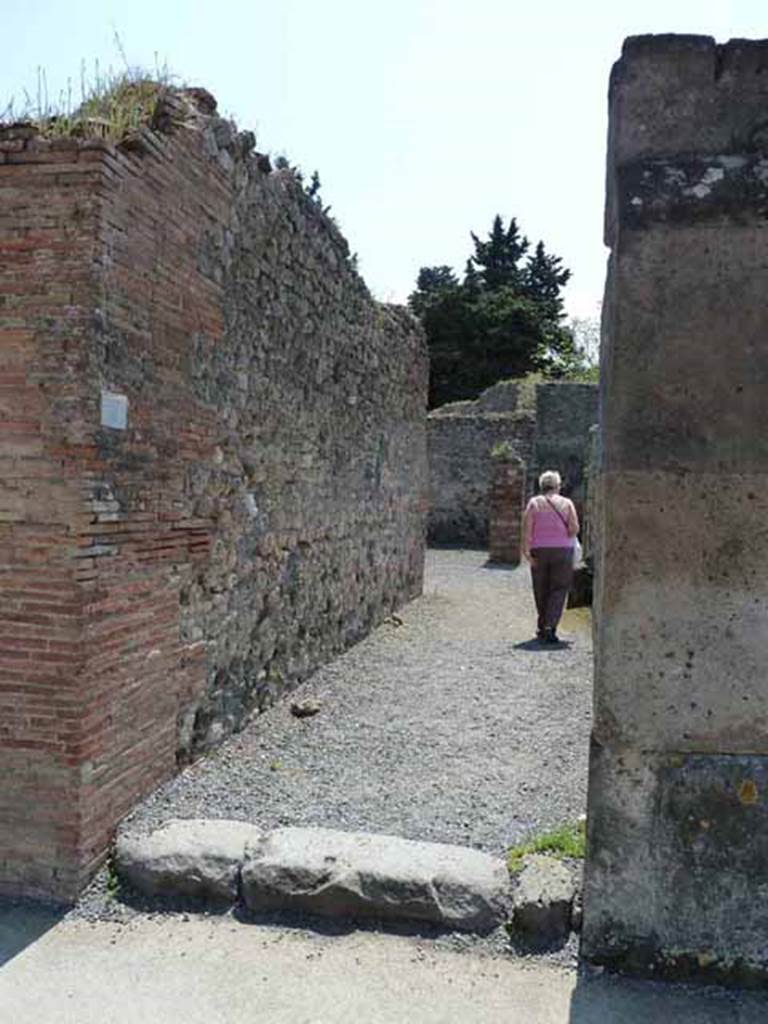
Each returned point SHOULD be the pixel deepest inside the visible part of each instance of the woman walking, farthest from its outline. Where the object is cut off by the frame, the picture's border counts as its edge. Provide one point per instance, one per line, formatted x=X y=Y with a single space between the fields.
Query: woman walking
x=550 y=526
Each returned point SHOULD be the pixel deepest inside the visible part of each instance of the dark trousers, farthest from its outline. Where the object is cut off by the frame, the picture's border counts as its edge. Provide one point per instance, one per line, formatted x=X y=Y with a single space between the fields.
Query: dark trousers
x=552 y=575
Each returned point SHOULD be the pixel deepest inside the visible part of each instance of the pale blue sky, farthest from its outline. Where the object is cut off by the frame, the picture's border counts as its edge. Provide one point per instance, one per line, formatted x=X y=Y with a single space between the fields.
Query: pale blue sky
x=424 y=118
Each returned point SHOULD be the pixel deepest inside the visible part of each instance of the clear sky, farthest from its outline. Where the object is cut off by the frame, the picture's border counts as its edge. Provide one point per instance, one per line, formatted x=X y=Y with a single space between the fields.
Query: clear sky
x=423 y=117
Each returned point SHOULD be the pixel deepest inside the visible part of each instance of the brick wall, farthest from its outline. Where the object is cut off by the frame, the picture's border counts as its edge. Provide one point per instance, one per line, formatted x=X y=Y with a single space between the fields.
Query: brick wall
x=507 y=499
x=261 y=509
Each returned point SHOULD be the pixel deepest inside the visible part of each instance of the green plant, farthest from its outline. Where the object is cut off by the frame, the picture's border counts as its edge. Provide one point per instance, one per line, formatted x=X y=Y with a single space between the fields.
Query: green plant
x=502 y=450
x=567 y=840
x=502 y=319
x=111 y=105
x=113 y=879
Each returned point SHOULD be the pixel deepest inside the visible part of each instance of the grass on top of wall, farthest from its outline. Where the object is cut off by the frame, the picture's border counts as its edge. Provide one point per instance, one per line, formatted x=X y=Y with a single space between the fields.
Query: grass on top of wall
x=111 y=105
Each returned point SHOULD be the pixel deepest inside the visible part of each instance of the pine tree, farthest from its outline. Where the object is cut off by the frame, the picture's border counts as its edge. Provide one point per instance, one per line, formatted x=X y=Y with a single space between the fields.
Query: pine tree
x=502 y=320
x=544 y=277
x=430 y=284
x=499 y=257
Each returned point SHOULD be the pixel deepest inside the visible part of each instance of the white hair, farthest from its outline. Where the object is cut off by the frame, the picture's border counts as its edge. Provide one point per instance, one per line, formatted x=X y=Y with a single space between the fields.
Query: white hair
x=549 y=481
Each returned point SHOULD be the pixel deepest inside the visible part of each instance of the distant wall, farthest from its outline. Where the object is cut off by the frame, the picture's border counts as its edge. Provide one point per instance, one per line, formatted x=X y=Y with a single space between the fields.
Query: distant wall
x=213 y=466
x=460 y=438
x=564 y=414
x=546 y=425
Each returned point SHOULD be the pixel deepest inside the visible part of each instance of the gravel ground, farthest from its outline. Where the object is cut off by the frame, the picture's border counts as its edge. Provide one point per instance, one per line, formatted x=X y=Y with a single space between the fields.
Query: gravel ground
x=443 y=728
x=447 y=724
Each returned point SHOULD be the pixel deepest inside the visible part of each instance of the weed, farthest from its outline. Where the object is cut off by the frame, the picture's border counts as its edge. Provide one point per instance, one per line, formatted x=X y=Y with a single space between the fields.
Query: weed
x=568 y=840
x=113 y=879
x=502 y=451
x=112 y=105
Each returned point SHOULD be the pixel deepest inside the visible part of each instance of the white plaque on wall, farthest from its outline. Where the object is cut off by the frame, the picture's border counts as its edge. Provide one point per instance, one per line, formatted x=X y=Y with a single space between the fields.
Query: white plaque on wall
x=114 y=410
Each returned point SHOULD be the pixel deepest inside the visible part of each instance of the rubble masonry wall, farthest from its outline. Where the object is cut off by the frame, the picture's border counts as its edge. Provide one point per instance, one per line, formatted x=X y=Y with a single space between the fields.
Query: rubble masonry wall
x=260 y=509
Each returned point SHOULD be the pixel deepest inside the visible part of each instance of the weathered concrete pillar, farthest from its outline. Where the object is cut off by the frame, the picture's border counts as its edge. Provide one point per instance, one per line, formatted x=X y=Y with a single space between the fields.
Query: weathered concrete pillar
x=678 y=802
x=507 y=495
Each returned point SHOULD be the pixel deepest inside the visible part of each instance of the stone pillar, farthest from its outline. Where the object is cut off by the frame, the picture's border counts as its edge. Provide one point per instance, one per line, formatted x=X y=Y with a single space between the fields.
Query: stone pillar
x=678 y=796
x=507 y=495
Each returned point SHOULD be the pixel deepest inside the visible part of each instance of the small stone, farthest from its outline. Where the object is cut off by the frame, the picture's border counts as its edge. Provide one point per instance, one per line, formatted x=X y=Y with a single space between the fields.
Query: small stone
x=304 y=708
x=543 y=899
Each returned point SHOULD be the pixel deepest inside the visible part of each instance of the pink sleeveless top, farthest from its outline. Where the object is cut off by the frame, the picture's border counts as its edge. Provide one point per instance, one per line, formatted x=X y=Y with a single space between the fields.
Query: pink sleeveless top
x=549 y=529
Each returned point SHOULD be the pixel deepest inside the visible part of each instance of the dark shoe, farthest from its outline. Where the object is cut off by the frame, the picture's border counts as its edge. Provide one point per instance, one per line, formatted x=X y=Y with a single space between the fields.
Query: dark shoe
x=550 y=636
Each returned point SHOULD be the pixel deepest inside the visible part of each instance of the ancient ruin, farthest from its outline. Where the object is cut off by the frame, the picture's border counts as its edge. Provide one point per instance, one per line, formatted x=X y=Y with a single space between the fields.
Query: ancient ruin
x=678 y=820
x=545 y=425
x=506 y=504
x=213 y=464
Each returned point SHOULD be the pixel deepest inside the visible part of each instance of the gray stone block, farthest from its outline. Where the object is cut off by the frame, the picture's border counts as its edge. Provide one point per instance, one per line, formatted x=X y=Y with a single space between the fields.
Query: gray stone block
x=543 y=900
x=332 y=873
x=187 y=860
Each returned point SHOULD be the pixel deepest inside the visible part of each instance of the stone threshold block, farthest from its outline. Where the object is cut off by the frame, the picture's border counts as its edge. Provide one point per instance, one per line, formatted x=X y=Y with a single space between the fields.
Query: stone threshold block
x=194 y=859
x=316 y=870
x=322 y=871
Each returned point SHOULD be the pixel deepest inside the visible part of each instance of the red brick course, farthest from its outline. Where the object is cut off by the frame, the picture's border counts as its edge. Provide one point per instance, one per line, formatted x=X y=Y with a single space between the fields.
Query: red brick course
x=507 y=499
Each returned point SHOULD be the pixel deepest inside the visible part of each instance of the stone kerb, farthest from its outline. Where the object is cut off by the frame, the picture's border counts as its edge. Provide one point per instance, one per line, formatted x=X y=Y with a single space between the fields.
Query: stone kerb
x=506 y=504
x=318 y=871
x=678 y=789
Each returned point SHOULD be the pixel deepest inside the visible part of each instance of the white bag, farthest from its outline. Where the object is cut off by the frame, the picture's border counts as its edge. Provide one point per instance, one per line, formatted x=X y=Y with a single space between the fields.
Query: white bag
x=578 y=553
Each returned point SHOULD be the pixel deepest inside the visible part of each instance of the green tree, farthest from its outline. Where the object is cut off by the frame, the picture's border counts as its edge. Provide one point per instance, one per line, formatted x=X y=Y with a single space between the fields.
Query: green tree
x=582 y=361
x=499 y=257
x=504 y=319
x=431 y=283
x=544 y=277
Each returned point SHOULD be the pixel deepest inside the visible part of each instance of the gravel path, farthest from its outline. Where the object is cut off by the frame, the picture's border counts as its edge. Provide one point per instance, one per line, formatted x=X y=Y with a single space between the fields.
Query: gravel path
x=451 y=727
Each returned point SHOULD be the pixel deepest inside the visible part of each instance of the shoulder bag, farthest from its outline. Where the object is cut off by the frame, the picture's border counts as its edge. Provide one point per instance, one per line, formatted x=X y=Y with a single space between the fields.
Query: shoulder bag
x=578 y=553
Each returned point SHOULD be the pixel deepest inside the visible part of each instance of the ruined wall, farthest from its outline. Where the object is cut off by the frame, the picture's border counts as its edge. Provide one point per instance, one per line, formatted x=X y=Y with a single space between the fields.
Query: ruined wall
x=260 y=508
x=564 y=414
x=506 y=504
x=546 y=425
x=678 y=815
x=460 y=437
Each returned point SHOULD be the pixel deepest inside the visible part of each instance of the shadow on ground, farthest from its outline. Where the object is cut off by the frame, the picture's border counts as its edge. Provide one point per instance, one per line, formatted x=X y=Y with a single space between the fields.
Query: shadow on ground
x=21 y=924
x=599 y=998
x=537 y=645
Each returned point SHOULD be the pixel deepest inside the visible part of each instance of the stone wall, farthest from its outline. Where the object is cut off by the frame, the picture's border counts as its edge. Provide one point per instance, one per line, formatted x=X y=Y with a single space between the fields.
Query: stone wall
x=545 y=425
x=460 y=438
x=565 y=411
x=678 y=815
x=213 y=460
